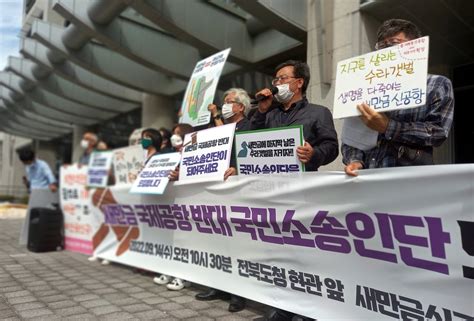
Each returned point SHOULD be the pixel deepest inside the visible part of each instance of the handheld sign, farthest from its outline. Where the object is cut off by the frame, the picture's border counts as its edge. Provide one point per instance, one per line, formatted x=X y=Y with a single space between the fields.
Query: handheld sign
x=269 y=151
x=201 y=89
x=206 y=155
x=127 y=162
x=388 y=79
x=76 y=206
x=98 y=169
x=153 y=179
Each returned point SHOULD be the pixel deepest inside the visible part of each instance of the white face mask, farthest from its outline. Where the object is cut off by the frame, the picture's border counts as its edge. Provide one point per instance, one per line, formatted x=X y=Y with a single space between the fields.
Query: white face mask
x=227 y=111
x=284 y=93
x=84 y=144
x=176 y=140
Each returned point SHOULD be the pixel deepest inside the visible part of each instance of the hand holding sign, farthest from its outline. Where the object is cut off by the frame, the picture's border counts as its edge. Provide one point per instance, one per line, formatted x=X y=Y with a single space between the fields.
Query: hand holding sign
x=305 y=152
x=372 y=119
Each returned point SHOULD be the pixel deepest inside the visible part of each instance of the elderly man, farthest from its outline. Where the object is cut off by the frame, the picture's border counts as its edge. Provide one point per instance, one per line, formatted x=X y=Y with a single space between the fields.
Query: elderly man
x=234 y=110
x=292 y=108
x=235 y=107
x=405 y=137
x=88 y=143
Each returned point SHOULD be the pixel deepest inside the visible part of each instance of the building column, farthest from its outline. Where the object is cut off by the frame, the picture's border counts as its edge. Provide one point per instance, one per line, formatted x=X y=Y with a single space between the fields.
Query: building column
x=158 y=111
x=6 y=175
x=12 y=170
x=48 y=152
x=335 y=31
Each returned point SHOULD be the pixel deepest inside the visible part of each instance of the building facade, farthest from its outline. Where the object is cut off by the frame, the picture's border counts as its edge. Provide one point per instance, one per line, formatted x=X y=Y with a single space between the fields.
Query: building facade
x=113 y=66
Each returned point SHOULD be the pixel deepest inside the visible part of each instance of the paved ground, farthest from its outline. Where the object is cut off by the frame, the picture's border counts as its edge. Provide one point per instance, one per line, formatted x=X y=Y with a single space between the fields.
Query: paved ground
x=65 y=286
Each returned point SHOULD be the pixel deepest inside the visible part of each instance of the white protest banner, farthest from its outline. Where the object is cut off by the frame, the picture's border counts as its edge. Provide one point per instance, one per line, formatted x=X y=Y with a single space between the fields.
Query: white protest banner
x=98 y=169
x=79 y=223
x=201 y=89
x=127 y=162
x=206 y=155
x=392 y=243
x=153 y=179
x=388 y=79
x=269 y=151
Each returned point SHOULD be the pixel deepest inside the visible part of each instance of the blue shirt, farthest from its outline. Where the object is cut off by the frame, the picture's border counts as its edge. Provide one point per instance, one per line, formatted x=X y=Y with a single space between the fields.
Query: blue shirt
x=39 y=174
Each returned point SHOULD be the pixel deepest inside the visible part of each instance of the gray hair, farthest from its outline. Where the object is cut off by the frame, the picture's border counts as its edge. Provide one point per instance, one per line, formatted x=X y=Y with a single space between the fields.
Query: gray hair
x=241 y=96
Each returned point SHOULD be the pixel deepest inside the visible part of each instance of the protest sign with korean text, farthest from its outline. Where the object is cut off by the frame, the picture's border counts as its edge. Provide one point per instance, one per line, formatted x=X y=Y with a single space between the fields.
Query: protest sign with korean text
x=153 y=179
x=206 y=155
x=76 y=207
x=388 y=79
x=201 y=89
x=99 y=168
x=269 y=151
x=378 y=247
x=127 y=162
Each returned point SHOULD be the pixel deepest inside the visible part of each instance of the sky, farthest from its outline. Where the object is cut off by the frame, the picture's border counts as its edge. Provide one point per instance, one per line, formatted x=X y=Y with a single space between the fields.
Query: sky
x=10 y=25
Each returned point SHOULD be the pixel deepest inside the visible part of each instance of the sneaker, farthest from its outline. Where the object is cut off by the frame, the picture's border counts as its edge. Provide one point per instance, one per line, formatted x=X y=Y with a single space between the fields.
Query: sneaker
x=105 y=262
x=176 y=285
x=163 y=279
x=92 y=259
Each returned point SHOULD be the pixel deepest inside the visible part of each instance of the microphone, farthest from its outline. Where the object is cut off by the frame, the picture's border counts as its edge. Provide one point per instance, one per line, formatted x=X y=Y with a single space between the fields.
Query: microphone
x=262 y=97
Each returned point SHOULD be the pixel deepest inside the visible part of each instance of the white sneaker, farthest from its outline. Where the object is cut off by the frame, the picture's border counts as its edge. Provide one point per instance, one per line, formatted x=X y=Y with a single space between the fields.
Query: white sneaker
x=92 y=259
x=176 y=285
x=105 y=262
x=163 y=279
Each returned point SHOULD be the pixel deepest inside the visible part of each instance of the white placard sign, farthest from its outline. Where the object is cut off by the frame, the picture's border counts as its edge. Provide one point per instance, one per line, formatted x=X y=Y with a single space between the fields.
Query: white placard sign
x=79 y=223
x=127 y=161
x=98 y=169
x=201 y=89
x=269 y=151
x=388 y=79
x=153 y=179
x=206 y=155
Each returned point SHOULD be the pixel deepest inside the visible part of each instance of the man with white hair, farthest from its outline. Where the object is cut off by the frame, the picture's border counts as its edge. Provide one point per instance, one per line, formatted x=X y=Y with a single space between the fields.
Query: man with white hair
x=236 y=106
x=88 y=143
x=234 y=110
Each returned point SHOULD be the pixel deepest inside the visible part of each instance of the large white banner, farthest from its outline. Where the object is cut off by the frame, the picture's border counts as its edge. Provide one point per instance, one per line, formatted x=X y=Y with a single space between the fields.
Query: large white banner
x=390 y=243
x=387 y=79
x=201 y=89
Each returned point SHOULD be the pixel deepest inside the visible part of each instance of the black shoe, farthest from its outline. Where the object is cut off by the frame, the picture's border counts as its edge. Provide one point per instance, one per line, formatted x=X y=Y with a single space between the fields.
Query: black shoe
x=279 y=315
x=237 y=303
x=301 y=318
x=210 y=295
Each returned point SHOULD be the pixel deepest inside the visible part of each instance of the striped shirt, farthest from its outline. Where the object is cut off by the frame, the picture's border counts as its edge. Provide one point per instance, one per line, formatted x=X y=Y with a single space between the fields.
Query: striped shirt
x=422 y=127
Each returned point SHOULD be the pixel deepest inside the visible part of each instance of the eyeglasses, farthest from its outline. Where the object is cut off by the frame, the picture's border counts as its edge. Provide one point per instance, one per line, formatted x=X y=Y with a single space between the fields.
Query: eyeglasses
x=280 y=79
x=389 y=43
